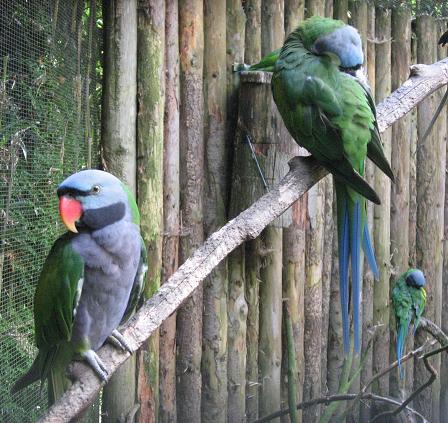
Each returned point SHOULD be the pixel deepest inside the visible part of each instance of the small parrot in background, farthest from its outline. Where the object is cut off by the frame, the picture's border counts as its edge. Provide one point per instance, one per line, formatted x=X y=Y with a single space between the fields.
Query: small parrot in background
x=91 y=280
x=408 y=299
x=325 y=102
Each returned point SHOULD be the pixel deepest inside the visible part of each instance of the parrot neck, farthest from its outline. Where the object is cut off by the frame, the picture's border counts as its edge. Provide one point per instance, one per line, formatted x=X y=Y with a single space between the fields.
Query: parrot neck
x=104 y=216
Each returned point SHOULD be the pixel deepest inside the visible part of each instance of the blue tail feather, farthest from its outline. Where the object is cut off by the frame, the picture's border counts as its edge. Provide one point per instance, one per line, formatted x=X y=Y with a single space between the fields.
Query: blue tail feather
x=370 y=255
x=344 y=249
x=355 y=247
x=402 y=334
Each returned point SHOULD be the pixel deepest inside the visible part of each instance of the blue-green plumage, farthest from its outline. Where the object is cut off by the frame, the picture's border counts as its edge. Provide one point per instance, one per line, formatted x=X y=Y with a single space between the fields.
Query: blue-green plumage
x=408 y=300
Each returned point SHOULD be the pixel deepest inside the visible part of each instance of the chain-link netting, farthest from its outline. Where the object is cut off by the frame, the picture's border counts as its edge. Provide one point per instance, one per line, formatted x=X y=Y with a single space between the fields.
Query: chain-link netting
x=49 y=126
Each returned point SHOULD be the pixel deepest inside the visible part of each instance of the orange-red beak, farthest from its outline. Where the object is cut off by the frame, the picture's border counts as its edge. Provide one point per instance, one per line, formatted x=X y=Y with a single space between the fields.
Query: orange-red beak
x=70 y=211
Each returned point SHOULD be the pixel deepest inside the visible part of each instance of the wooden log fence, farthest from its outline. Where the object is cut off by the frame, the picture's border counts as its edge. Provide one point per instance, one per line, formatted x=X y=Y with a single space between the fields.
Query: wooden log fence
x=304 y=173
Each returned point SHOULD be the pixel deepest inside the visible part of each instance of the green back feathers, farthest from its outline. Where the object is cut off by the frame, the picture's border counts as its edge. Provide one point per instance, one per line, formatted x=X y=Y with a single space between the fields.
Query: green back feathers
x=316 y=26
x=132 y=204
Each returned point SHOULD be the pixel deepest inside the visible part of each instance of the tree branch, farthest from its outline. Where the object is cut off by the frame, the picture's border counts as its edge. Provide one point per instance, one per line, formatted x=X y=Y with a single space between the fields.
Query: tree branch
x=366 y=396
x=434 y=330
x=304 y=173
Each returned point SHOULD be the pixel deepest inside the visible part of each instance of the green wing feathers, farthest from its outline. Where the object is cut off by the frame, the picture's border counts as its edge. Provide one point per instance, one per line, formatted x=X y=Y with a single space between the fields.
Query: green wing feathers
x=58 y=291
x=136 y=297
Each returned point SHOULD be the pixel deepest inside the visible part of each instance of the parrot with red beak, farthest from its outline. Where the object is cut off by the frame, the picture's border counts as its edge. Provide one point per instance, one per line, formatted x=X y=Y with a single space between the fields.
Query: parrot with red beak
x=91 y=280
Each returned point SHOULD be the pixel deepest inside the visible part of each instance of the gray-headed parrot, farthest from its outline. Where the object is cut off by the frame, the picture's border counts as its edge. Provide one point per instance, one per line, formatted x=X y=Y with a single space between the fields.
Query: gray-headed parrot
x=91 y=280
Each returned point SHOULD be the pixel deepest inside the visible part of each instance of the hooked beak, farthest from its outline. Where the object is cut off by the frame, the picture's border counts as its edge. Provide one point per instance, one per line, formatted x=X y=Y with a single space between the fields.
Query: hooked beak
x=70 y=211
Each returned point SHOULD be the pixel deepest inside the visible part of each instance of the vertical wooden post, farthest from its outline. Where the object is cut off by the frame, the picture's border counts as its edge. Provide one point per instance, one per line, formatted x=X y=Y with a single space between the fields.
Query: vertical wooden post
x=368 y=282
x=119 y=153
x=120 y=90
x=444 y=363
x=272 y=25
x=315 y=8
x=444 y=317
x=413 y=169
x=151 y=103
x=442 y=135
x=189 y=317
x=313 y=298
x=252 y=53
x=399 y=234
x=167 y=365
x=270 y=342
x=294 y=286
x=270 y=345
x=329 y=8
x=293 y=279
x=271 y=145
x=430 y=201
x=214 y=331
x=340 y=8
x=382 y=213
x=294 y=14
x=236 y=302
x=252 y=47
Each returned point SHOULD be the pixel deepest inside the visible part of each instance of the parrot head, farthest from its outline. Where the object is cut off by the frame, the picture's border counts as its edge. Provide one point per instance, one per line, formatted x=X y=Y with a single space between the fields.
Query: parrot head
x=335 y=39
x=415 y=278
x=93 y=199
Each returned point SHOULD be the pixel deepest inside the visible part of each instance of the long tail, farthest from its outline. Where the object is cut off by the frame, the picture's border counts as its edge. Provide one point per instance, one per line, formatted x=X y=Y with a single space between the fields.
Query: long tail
x=39 y=370
x=58 y=381
x=402 y=333
x=352 y=235
x=31 y=376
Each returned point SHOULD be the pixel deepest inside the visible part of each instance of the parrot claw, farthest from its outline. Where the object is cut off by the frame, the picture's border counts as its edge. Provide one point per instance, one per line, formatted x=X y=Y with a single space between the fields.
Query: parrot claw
x=117 y=339
x=96 y=364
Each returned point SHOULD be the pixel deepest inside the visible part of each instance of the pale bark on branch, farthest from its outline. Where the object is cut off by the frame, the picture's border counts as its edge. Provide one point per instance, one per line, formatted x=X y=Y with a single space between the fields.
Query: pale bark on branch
x=304 y=173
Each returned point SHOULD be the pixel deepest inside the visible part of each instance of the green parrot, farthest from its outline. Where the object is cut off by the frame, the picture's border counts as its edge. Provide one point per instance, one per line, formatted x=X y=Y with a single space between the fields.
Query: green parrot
x=325 y=102
x=91 y=280
x=408 y=299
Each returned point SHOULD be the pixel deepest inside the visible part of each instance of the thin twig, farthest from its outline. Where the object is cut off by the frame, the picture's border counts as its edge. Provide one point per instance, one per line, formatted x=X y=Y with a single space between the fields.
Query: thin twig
x=254 y=157
x=367 y=396
x=385 y=371
x=399 y=409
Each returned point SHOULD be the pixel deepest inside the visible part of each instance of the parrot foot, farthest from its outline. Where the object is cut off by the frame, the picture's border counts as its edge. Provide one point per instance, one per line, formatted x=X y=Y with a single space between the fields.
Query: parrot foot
x=117 y=339
x=96 y=364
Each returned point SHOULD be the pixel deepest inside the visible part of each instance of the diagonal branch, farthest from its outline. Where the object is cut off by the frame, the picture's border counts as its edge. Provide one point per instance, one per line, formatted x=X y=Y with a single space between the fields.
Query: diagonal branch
x=304 y=173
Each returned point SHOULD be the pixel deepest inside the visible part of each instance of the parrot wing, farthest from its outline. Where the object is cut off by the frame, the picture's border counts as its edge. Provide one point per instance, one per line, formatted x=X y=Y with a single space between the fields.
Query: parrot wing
x=57 y=294
x=135 y=297
x=403 y=309
x=55 y=301
x=375 y=146
x=317 y=116
x=418 y=303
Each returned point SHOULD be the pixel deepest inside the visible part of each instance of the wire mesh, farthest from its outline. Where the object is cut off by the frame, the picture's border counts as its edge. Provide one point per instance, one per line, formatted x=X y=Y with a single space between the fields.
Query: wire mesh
x=50 y=61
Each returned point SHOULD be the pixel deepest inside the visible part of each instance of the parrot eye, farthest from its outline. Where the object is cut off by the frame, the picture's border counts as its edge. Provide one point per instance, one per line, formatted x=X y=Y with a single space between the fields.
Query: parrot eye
x=96 y=189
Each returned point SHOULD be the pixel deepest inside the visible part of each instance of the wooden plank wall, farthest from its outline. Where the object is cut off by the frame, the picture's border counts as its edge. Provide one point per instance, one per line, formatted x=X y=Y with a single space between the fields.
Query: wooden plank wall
x=223 y=358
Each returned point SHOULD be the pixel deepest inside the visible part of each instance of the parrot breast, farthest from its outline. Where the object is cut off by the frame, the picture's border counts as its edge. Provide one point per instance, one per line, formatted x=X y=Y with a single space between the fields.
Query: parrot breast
x=111 y=257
